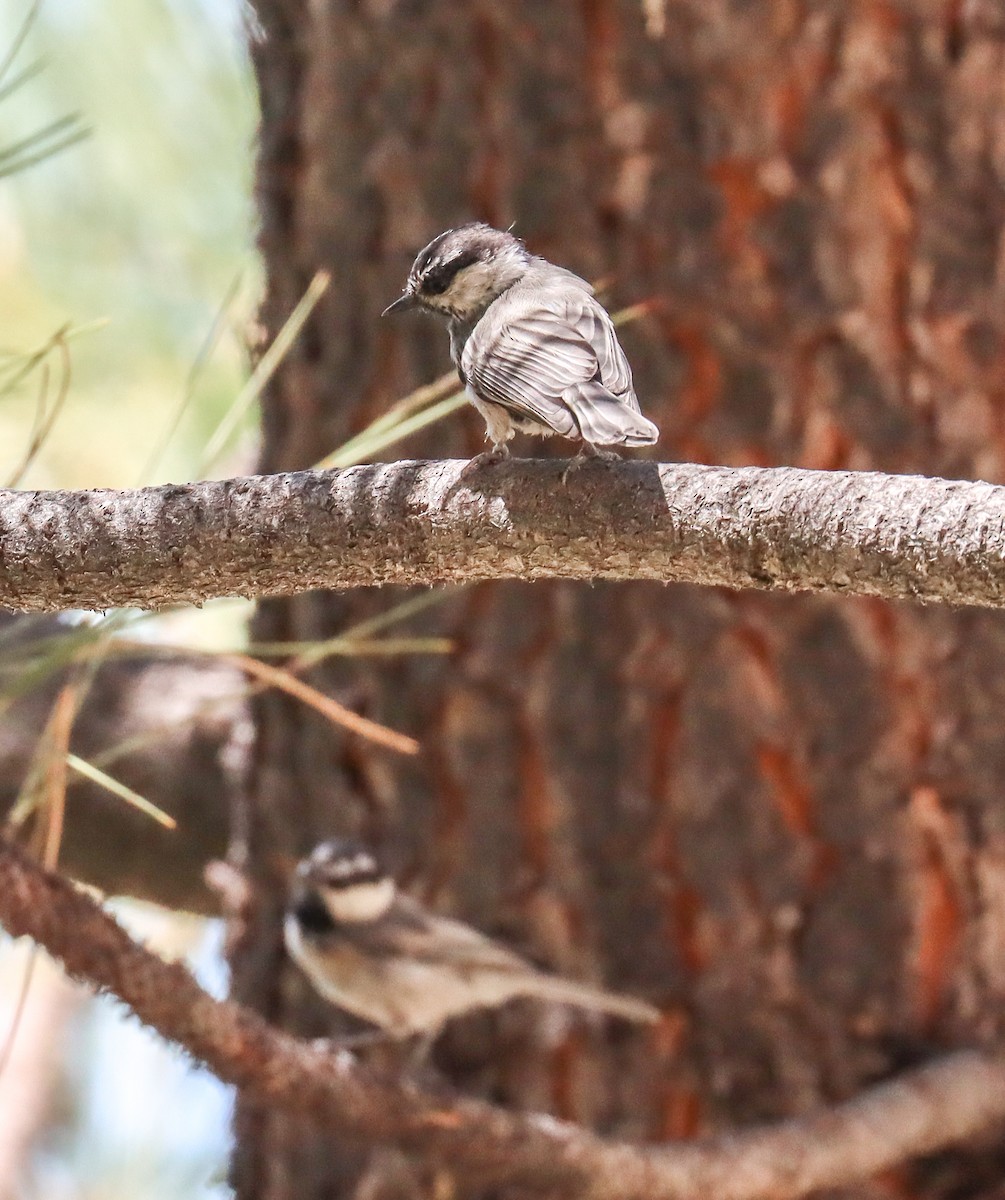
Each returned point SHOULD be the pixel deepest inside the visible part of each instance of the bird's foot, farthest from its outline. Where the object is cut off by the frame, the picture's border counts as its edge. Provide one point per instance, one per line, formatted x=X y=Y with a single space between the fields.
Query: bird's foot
x=488 y=458
x=586 y=452
x=350 y=1041
x=418 y=1049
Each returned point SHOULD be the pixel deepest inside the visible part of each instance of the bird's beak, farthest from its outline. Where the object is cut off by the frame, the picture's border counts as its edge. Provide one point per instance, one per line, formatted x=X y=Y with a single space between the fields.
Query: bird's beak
x=408 y=300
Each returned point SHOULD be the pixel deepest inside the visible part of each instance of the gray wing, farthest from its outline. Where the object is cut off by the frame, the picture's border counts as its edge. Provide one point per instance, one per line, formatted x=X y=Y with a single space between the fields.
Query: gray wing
x=422 y=937
x=551 y=355
x=494 y=973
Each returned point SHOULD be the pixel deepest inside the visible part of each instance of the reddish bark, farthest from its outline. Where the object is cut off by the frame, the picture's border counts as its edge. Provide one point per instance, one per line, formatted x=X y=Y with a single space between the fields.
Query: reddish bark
x=780 y=818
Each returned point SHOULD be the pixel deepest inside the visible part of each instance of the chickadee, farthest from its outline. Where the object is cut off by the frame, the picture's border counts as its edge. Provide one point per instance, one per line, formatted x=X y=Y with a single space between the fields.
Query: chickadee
x=380 y=955
x=535 y=350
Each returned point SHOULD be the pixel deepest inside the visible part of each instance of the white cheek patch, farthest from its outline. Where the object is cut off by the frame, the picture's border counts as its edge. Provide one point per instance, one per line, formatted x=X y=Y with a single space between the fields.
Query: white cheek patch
x=470 y=286
x=360 y=902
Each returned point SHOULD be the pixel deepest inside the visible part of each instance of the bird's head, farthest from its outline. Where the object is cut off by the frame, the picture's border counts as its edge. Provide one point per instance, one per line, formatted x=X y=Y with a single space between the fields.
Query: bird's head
x=462 y=271
x=348 y=879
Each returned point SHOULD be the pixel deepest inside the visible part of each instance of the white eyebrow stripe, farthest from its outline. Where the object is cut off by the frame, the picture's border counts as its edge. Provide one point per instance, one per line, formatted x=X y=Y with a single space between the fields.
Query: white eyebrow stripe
x=345 y=868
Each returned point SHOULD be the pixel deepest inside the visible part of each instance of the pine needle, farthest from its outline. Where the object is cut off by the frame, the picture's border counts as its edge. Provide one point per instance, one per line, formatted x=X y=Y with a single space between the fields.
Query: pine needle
x=51 y=749
x=45 y=416
x=277 y=677
x=325 y=705
x=202 y=357
x=310 y=656
x=19 y=38
x=117 y=788
x=350 y=648
x=263 y=372
x=371 y=442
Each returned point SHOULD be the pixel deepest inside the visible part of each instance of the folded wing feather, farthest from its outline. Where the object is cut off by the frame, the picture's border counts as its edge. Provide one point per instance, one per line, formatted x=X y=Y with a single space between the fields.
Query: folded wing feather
x=552 y=356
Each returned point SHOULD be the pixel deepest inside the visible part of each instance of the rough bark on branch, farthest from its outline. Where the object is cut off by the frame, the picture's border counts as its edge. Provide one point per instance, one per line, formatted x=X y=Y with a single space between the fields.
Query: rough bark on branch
x=924 y=1110
x=899 y=537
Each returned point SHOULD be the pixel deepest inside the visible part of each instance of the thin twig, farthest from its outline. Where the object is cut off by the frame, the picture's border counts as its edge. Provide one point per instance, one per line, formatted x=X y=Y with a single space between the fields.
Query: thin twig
x=277 y=677
x=338 y=713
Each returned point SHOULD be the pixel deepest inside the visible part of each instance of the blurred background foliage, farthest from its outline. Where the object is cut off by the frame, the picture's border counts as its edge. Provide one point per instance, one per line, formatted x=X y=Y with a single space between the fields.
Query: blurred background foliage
x=146 y=223
x=125 y=1115
x=139 y=234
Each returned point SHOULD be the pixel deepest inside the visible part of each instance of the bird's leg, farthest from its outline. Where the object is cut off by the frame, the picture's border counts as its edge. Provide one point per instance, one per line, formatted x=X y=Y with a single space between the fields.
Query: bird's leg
x=419 y=1050
x=591 y=451
x=350 y=1041
x=587 y=451
x=573 y=465
x=498 y=431
x=488 y=458
x=409 y=1055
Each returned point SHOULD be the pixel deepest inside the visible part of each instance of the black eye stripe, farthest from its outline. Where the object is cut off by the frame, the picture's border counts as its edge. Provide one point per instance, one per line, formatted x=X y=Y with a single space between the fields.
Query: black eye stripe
x=439 y=276
x=338 y=881
x=437 y=282
x=313 y=916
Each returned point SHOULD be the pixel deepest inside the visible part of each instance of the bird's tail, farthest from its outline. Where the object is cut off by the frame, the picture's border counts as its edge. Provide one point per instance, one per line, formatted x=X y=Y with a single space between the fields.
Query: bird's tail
x=582 y=995
x=605 y=420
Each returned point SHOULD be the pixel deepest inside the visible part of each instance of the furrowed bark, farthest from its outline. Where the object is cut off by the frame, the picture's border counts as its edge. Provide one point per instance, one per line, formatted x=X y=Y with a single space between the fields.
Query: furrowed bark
x=858 y=533
x=781 y=812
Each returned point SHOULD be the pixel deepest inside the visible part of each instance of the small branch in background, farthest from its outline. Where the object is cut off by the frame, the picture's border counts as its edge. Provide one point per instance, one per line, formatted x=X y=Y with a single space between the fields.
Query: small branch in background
x=853 y=533
x=923 y=1111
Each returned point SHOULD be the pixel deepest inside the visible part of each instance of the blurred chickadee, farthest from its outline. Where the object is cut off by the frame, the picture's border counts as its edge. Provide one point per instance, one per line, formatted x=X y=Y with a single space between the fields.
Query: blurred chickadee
x=380 y=955
x=534 y=349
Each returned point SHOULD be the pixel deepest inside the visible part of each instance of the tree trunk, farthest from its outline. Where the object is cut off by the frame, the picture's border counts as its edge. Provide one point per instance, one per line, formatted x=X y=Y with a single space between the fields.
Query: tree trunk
x=778 y=818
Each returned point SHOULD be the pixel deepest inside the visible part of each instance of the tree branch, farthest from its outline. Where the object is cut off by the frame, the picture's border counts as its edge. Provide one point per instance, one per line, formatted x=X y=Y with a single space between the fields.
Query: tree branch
x=923 y=1111
x=900 y=537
